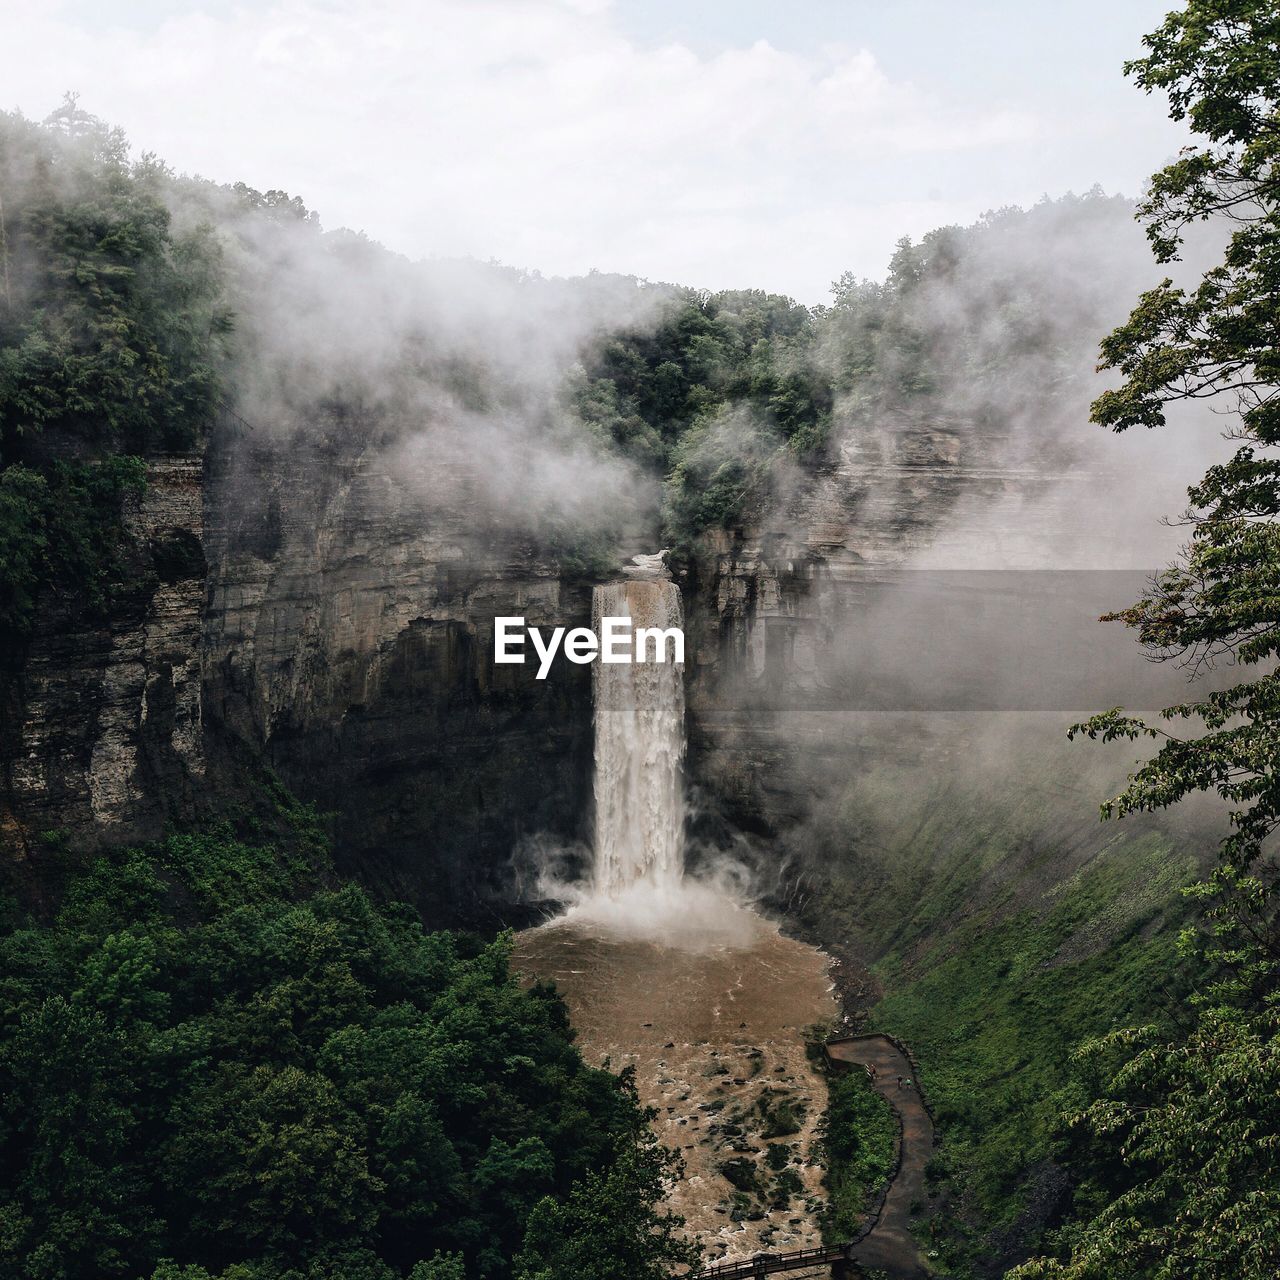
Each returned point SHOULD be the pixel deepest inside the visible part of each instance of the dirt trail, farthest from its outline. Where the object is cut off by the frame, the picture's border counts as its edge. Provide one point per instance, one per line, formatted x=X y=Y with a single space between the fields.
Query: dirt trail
x=889 y=1246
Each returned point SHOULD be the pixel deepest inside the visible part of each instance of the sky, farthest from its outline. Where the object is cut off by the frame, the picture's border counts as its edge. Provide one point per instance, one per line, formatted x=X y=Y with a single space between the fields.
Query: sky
x=715 y=143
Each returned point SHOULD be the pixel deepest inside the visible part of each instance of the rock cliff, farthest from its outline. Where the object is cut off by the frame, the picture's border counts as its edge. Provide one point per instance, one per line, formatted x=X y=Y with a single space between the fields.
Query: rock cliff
x=917 y=619
x=349 y=635
x=292 y=604
x=102 y=739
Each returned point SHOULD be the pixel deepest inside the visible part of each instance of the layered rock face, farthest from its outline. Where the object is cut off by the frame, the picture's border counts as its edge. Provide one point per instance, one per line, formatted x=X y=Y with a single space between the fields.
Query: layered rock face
x=775 y=607
x=349 y=635
x=909 y=614
x=102 y=738
x=294 y=605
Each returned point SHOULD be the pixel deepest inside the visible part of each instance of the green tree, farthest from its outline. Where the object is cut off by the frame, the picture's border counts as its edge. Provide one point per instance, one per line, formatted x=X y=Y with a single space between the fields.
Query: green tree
x=607 y=1228
x=217 y=1065
x=1194 y=1125
x=111 y=326
x=1219 y=62
x=1184 y=1139
x=112 y=336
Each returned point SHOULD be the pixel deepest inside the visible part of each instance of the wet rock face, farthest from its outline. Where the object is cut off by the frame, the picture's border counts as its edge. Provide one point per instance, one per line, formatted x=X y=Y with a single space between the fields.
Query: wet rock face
x=100 y=728
x=300 y=604
x=769 y=606
x=349 y=636
x=782 y=613
x=302 y=609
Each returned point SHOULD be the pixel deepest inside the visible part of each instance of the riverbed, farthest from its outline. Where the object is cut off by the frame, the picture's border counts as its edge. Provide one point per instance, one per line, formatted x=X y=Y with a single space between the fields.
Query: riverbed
x=714 y=1021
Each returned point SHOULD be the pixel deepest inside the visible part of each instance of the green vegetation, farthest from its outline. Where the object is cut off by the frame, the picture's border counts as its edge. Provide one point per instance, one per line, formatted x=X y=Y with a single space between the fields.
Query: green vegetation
x=730 y=392
x=1178 y=1143
x=1008 y=931
x=859 y=1137
x=1179 y=1152
x=110 y=319
x=995 y=1012
x=111 y=327
x=713 y=396
x=647 y=390
x=216 y=1061
x=607 y=1227
x=60 y=525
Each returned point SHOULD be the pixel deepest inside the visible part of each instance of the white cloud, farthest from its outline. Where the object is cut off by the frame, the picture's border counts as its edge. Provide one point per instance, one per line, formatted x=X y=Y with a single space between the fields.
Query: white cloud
x=532 y=131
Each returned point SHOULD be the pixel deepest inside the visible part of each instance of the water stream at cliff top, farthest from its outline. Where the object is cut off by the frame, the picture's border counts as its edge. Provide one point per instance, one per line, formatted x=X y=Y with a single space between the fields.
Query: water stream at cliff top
x=670 y=973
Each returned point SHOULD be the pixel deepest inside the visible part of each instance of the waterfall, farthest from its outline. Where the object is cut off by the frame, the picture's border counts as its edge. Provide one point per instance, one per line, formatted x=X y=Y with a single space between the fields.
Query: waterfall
x=638 y=889
x=639 y=749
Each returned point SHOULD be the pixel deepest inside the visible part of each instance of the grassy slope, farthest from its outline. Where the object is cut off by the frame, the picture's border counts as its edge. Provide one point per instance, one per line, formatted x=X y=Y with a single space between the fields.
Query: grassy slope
x=995 y=1012
x=1006 y=924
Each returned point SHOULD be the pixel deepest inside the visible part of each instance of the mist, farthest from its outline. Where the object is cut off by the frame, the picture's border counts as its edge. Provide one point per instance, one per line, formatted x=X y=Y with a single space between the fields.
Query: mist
x=922 y=625
x=447 y=374
x=956 y=443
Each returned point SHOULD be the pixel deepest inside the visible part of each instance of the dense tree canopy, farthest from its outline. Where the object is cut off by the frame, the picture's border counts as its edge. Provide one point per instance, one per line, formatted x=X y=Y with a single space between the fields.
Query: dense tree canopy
x=214 y=1064
x=1182 y=1144
x=729 y=393
x=111 y=327
x=606 y=1228
x=710 y=397
x=109 y=320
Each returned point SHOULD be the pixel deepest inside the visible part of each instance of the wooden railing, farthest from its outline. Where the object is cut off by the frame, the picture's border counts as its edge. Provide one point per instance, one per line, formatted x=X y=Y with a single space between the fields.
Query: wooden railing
x=771 y=1264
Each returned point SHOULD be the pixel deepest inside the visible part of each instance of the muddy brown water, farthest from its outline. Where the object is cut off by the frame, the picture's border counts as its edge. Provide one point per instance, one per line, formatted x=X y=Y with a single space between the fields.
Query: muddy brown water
x=716 y=1034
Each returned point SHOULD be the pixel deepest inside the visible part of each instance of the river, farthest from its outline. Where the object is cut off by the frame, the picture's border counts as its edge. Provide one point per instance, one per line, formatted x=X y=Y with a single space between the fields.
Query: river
x=713 y=1021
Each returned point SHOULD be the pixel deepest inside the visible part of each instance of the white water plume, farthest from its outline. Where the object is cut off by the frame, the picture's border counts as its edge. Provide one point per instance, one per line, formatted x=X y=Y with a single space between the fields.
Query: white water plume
x=638 y=888
x=639 y=756
x=690 y=914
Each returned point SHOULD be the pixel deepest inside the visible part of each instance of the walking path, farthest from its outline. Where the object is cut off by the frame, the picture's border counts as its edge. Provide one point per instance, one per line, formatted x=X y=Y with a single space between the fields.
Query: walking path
x=889 y=1244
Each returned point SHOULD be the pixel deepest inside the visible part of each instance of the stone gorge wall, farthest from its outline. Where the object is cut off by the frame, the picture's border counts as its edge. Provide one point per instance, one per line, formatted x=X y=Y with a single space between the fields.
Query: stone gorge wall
x=292 y=604
x=350 y=633
x=838 y=694
x=339 y=629
x=773 y=605
x=100 y=728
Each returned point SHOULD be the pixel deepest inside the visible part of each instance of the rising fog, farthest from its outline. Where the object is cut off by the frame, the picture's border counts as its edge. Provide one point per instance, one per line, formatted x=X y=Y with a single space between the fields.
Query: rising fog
x=925 y=625
x=450 y=373
x=452 y=376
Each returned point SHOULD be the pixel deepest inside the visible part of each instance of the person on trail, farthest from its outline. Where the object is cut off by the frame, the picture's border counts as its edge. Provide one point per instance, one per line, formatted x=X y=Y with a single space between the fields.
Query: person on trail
x=871 y=1072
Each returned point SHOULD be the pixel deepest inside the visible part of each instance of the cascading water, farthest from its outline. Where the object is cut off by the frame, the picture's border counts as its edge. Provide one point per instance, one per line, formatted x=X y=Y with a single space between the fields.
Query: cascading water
x=671 y=974
x=638 y=886
x=639 y=749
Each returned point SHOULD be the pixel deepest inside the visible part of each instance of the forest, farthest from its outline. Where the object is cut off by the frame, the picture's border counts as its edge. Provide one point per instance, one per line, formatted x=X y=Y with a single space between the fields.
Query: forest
x=226 y=1054
x=208 y=1024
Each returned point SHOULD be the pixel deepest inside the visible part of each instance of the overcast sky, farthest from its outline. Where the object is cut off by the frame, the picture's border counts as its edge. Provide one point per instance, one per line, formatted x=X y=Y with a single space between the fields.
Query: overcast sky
x=721 y=143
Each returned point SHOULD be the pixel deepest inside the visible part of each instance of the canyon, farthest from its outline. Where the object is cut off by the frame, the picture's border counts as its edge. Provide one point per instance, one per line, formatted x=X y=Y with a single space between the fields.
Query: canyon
x=297 y=612
x=320 y=621
x=883 y=653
